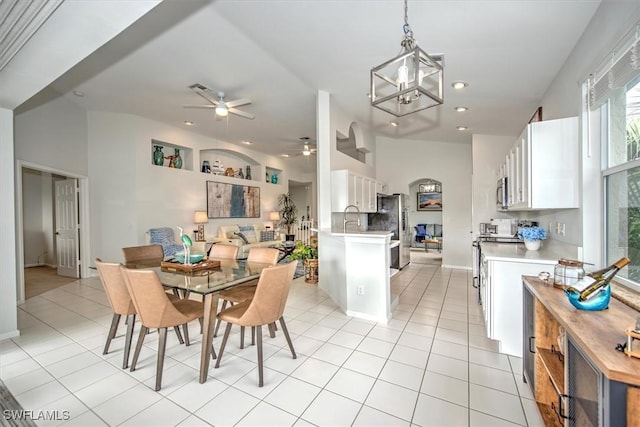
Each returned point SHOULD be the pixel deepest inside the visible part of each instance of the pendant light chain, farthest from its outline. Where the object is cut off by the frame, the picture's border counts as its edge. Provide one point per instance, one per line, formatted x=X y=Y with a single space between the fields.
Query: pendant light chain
x=406 y=27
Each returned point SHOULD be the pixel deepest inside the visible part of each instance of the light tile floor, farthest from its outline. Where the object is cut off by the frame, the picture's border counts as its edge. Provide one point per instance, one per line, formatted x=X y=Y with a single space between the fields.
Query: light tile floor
x=432 y=365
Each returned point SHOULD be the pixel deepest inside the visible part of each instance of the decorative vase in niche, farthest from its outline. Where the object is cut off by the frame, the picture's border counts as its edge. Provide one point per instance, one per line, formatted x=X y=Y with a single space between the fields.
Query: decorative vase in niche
x=532 y=245
x=274 y=179
x=177 y=160
x=247 y=175
x=206 y=167
x=158 y=155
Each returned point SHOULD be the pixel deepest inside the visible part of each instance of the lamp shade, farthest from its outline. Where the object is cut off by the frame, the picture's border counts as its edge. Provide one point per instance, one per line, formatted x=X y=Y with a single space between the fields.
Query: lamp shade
x=274 y=216
x=200 y=217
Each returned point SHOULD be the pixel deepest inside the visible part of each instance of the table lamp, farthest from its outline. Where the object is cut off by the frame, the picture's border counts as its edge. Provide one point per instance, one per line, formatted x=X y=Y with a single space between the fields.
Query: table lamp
x=200 y=218
x=275 y=217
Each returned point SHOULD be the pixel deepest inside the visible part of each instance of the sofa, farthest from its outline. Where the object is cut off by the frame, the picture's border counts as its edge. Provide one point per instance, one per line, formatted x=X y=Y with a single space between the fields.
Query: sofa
x=247 y=236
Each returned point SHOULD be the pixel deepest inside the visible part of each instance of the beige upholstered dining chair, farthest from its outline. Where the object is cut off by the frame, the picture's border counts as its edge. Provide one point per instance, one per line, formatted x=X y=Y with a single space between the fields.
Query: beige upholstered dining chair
x=149 y=255
x=121 y=304
x=221 y=251
x=157 y=311
x=245 y=291
x=266 y=307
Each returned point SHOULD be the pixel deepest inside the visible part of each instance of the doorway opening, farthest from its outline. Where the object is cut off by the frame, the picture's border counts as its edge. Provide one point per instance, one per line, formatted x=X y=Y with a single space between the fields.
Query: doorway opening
x=52 y=229
x=425 y=221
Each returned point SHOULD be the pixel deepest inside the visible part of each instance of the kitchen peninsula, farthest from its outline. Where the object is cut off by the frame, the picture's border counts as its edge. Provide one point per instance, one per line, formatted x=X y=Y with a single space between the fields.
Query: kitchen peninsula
x=359 y=263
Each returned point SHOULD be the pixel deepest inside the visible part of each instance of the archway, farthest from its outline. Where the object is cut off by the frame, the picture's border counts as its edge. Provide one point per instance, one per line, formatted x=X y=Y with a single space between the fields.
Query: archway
x=425 y=220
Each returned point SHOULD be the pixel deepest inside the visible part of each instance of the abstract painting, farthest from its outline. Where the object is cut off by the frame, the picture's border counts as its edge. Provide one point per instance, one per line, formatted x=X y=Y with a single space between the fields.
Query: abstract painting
x=232 y=200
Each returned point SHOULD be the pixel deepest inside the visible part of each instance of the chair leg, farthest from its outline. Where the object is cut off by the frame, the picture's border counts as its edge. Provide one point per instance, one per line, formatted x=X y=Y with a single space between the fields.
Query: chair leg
x=112 y=332
x=185 y=329
x=272 y=330
x=285 y=331
x=260 y=367
x=178 y=334
x=253 y=335
x=224 y=343
x=215 y=331
x=162 y=346
x=241 y=337
x=131 y=321
x=136 y=354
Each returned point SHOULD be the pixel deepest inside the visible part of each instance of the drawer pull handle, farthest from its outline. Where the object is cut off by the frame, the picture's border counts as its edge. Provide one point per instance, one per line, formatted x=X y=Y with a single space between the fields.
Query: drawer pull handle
x=532 y=348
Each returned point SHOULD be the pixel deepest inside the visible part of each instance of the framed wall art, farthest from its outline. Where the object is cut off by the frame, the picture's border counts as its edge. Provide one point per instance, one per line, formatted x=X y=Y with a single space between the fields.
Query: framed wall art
x=232 y=200
x=431 y=201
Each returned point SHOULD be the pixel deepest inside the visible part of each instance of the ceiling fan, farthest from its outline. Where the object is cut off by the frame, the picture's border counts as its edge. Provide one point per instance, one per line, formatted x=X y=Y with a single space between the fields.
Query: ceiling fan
x=221 y=107
x=306 y=150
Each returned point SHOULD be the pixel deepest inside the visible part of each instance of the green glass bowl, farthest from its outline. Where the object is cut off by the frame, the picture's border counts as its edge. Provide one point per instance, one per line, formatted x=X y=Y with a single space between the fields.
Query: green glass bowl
x=195 y=258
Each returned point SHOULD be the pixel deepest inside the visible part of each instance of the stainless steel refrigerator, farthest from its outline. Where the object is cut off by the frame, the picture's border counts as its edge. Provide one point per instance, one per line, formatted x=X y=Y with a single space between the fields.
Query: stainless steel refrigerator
x=393 y=215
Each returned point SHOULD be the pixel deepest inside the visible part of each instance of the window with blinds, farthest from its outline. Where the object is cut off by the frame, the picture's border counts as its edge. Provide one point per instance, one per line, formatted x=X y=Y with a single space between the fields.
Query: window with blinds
x=613 y=99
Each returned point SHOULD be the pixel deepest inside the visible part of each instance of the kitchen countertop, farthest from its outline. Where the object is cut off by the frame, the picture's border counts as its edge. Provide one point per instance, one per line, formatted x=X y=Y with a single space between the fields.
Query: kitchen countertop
x=363 y=233
x=550 y=254
x=516 y=252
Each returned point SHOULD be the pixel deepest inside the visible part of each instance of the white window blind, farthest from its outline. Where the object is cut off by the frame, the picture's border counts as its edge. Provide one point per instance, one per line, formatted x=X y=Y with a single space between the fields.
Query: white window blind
x=617 y=70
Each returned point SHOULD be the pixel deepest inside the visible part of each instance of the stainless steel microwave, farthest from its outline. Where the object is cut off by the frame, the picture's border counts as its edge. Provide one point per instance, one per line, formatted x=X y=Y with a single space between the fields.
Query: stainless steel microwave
x=501 y=194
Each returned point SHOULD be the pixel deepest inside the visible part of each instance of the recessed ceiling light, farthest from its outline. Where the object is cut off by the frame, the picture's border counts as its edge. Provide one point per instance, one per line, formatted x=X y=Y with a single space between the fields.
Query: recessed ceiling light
x=459 y=85
x=394 y=124
x=462 y=128
x=188 y=123
x=247 y=142
x=461 y=109
x=284 y=155
x=78 y=93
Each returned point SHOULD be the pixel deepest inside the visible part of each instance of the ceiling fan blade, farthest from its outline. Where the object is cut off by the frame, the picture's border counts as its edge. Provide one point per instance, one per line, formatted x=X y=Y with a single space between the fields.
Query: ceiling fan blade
x=204 y=92
x=238 y=102
x=200 y=106
x=241 y=113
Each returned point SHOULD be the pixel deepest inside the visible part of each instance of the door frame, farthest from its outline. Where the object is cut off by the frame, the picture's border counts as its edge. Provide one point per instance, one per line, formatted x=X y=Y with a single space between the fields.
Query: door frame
x=83 y=218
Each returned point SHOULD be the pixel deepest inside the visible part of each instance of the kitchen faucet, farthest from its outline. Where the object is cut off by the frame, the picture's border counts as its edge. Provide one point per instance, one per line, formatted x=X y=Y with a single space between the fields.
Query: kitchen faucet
x=345 y=222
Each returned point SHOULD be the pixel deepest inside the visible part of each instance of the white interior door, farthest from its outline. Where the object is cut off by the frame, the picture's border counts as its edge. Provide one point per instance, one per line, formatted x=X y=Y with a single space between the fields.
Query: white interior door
x=68 y=251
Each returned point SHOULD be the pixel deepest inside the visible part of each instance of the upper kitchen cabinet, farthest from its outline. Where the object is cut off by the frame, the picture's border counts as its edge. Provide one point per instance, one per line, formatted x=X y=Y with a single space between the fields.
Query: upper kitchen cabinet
x=542 y=167
x=348 y=188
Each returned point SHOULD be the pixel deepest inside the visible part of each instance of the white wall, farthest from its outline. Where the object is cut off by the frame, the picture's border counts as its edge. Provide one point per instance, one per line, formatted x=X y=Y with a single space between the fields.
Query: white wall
x=129 y=194
x=54 y=135
x=35 y=189
x=489 y=153
x=401 y=162
x=8 y=259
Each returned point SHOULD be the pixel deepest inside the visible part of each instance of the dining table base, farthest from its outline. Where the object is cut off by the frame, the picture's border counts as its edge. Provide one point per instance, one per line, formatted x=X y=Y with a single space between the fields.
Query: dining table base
x=210 y=310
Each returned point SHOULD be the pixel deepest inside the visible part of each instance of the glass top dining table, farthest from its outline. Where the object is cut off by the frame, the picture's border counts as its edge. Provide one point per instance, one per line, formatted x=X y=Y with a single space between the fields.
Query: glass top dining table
x=207 y=283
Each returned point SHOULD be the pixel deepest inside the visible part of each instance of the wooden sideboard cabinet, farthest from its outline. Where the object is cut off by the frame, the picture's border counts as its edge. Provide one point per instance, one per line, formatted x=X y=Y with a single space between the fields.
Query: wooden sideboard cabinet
x=581 y=380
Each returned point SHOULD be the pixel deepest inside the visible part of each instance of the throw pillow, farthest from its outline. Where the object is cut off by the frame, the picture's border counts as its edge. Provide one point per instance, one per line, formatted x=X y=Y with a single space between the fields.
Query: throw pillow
x=420 y=230
x=267 y=236
x=249 y=232
x=437 y=230
x=242 y=237
x=430 y=229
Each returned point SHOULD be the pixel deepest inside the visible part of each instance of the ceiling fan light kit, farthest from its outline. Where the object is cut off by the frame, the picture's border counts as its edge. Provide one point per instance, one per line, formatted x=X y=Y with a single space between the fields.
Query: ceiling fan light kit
x=410 y=82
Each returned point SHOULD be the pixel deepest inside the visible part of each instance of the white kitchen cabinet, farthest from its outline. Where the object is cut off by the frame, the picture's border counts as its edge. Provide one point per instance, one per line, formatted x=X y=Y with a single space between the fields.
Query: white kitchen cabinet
x=542 y=167
x=348 y=188
x=502 y=300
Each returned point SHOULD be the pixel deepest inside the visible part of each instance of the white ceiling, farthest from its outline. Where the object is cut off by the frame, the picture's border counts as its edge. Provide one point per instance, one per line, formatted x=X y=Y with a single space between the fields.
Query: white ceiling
x=278 y=53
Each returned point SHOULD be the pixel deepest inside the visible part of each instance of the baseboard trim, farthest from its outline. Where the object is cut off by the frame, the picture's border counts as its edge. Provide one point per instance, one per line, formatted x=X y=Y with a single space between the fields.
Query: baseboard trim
x=9 y=335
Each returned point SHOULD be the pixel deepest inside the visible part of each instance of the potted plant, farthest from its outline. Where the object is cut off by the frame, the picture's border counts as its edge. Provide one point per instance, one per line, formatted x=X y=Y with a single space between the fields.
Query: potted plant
x=303 y=251
x=288 y=214
x=532 y=237
x=308 y=254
